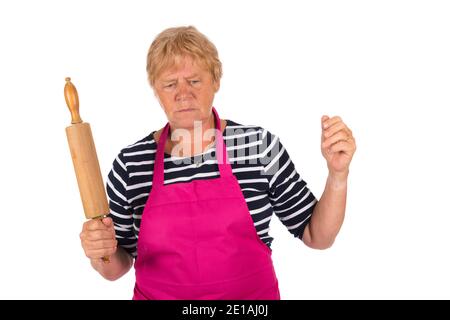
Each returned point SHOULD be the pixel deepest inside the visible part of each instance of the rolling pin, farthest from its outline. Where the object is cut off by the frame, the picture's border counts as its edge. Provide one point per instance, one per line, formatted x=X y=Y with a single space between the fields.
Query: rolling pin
x=85 y=161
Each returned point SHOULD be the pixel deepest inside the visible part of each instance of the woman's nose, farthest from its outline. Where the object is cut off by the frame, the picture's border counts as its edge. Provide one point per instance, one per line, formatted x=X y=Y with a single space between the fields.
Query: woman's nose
x=183 y=91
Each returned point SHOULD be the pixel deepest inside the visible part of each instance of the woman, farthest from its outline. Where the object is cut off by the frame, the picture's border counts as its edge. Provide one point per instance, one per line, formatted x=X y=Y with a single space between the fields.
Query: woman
x=191 y=202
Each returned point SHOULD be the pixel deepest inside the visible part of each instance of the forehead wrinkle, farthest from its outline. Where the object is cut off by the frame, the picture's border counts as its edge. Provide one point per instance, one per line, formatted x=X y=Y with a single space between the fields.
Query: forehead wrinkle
x=176 y=63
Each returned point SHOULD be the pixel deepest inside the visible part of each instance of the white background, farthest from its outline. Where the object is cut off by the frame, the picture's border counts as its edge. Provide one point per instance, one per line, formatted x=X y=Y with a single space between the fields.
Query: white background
x=383 y=66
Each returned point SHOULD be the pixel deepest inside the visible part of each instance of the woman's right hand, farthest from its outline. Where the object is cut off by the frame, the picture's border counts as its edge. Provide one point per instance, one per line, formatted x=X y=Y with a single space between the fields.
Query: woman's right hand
x=98 y=238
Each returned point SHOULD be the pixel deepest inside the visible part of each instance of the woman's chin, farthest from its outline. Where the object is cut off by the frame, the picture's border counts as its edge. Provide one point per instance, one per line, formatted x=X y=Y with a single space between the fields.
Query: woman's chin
x=185 y=121
x=187 y=118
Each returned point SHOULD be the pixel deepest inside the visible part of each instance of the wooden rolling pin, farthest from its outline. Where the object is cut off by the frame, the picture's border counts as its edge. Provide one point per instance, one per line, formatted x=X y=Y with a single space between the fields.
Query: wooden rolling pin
x=85 y=161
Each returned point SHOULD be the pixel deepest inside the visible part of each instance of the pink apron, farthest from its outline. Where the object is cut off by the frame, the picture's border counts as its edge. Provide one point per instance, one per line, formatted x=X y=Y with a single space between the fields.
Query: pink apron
x=197 y=240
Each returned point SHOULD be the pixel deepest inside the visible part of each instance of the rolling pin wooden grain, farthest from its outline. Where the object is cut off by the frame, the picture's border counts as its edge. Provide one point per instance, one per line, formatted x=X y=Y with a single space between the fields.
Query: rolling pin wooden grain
x=85 y=161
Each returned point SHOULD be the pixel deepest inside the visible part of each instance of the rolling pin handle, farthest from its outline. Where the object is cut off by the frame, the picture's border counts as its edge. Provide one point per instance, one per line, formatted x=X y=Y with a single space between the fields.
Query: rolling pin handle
x=72 y=101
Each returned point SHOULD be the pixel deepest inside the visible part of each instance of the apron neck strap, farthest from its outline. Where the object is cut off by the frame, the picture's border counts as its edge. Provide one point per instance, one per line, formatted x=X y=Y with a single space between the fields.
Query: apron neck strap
x=221 y=153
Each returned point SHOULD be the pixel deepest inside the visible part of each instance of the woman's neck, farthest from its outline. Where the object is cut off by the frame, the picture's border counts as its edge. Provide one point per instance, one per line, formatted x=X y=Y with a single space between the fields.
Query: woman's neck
x=187 y=142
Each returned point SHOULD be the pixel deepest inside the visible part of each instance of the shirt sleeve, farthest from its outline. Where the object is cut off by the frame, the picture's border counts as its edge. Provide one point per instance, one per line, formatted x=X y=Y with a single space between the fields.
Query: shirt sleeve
x=120 y=209
x=291 y=199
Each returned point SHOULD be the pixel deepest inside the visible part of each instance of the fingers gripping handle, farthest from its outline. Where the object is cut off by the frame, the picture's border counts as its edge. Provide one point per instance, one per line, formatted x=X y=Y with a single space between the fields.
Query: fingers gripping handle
x=105 y=259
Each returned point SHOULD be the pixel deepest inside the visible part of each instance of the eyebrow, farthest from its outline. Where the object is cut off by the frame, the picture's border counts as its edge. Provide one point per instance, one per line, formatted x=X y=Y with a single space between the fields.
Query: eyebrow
x=195 y=75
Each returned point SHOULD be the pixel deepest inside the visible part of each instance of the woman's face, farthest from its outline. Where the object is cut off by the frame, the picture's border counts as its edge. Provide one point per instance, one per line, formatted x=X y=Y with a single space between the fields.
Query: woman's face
x=186 y=93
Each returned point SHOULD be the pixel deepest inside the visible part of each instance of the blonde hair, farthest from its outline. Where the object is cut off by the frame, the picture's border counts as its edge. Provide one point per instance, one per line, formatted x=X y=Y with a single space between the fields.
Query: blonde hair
x=173 y=43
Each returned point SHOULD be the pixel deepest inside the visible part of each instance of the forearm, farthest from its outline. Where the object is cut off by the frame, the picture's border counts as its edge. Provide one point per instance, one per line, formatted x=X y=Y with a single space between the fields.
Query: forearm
x=119 y=264
x=328 y=214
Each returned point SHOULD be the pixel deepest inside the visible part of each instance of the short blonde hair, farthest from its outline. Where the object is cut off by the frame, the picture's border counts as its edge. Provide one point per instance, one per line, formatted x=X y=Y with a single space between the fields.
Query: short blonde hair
x=174 y=43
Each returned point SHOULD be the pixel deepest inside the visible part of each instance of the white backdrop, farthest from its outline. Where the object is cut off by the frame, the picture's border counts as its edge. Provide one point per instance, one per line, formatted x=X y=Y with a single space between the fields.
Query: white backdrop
x=383 y=66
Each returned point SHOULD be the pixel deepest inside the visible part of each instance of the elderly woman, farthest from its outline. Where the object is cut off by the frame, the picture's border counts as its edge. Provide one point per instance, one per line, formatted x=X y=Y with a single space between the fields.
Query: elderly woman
x=191 y=202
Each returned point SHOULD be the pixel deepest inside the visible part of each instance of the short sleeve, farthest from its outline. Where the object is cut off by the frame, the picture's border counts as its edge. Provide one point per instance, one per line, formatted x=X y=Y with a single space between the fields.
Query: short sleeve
x=291 y=199
x=120 y=209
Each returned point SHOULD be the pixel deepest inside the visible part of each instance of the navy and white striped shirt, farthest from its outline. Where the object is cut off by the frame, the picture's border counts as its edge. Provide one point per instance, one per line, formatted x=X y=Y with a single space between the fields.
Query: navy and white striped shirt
x=267 y=177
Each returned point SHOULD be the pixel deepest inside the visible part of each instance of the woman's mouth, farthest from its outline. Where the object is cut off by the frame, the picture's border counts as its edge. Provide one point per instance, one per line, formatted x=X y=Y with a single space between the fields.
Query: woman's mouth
x=186 y=110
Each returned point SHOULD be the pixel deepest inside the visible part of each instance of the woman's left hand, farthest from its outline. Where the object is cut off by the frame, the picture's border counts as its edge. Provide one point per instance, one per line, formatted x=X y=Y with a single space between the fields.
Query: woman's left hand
x=338 y=145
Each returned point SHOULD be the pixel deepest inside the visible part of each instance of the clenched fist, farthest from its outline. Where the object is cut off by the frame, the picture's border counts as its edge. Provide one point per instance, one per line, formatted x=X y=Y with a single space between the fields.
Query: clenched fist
x=98 y=238
x=338 y=144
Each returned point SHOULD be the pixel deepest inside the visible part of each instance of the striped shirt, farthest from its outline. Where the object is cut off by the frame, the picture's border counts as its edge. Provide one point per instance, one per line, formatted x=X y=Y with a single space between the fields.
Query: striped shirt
x=265 y=173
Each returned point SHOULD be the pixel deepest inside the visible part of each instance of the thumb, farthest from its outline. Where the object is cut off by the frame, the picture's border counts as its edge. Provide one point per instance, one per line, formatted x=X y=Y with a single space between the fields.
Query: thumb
x=107 y=222
x=324 y=118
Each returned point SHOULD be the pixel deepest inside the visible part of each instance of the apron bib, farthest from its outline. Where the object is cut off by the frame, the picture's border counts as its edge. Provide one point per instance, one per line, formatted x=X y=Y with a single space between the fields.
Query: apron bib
x=197 y=240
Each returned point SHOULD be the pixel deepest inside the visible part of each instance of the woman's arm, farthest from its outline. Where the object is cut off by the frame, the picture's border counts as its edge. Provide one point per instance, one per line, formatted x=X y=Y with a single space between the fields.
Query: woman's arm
x=328 y=214
x=338 y=147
